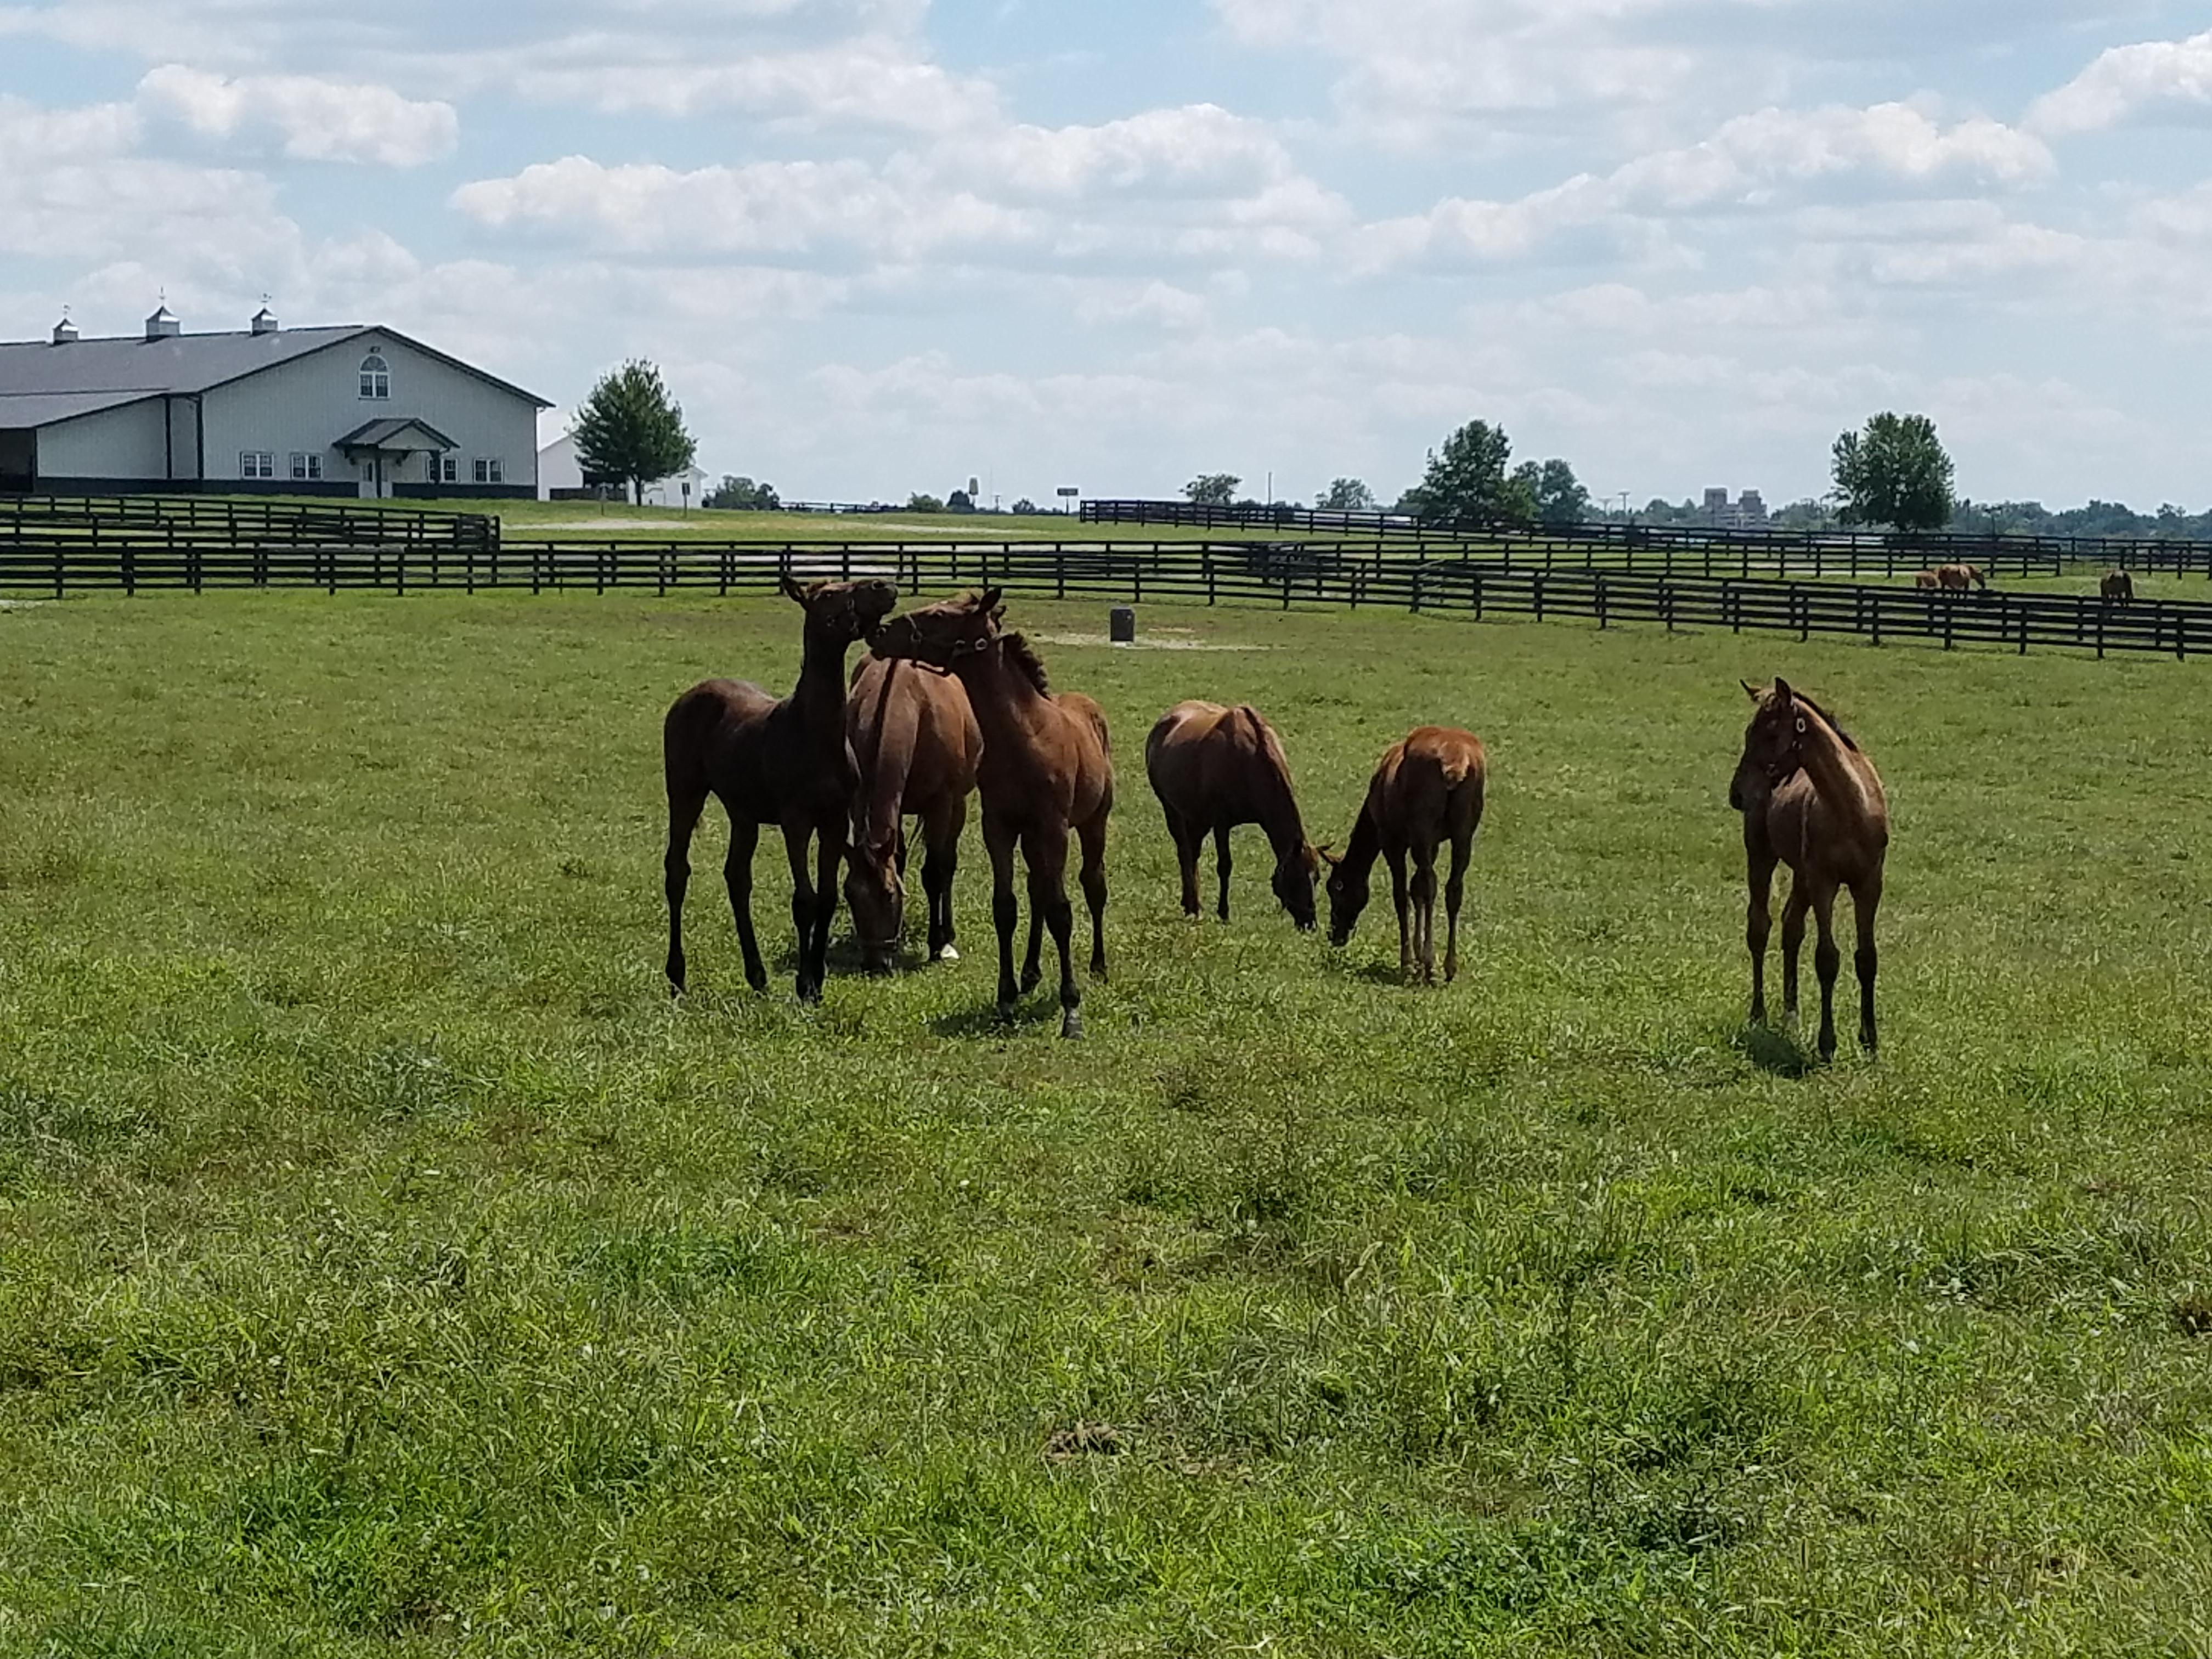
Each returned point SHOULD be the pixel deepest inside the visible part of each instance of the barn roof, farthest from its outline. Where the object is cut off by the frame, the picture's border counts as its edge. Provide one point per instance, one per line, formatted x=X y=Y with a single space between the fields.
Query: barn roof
x=88 y=375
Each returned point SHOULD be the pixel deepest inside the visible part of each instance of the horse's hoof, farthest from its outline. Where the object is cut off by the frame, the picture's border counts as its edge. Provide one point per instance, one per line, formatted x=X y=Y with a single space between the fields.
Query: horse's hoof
x=1006 y=1013
x=947 y=953
x=1031 y=981
x=1071 y=1026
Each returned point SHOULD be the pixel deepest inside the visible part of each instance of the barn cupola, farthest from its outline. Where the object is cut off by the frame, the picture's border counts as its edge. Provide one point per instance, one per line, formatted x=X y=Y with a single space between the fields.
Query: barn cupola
x=64 y=331
x=265 y=321
x=163 y=324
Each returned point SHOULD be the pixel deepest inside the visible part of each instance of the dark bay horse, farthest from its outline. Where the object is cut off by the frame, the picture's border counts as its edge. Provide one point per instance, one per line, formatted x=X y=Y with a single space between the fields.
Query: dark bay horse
x=1811 y=800
x=786 y=763
x=2118 y=585
x=1214 y=769
x=1427 y=790
x=915 y=739
x=1047 y=774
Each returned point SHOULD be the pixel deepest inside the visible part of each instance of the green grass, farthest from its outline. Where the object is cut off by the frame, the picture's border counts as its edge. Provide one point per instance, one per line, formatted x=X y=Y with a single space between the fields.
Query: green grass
x=387 y=1266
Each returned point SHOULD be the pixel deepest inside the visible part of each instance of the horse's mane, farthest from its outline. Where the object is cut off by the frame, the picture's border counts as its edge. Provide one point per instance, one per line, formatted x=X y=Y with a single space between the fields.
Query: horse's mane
x=1264 y=735
x=1833 y=724
x=1023 y=656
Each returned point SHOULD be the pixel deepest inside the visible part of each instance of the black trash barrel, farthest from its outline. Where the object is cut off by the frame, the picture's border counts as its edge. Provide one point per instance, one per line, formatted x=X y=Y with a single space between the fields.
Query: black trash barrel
x=1122 y=624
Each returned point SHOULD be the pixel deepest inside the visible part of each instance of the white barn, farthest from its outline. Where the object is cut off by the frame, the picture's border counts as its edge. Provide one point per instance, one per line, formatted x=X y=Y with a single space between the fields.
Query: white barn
x=349 y=410
x=558 y=469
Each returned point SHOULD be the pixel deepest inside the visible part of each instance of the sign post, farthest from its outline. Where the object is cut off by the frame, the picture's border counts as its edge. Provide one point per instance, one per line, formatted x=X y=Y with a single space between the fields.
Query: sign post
x=1068 y=493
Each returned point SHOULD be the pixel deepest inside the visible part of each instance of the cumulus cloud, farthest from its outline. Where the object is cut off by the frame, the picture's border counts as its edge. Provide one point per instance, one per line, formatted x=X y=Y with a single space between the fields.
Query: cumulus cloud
x=1754 y=162
x=871 y=82
x=2131 y=82
x=308 y=119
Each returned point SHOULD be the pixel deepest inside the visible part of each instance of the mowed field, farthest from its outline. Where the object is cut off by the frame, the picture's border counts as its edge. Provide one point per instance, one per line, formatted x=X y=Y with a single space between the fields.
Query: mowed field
x=387 y=1266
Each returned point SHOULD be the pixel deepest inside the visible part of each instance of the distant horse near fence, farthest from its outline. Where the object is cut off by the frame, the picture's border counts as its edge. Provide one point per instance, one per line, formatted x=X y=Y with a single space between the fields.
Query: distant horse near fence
x=2118 y=585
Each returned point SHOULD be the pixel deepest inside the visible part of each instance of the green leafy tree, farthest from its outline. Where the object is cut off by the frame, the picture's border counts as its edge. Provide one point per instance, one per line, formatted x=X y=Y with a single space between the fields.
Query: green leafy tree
x=630 y=428
x=918 y=502
x=1213 y=489
x=1466 y=479
x=959 y=501
x=1894 y=472
x=1024 y=506
x=1345 y=496
x=741 y=494
x=1560 y=498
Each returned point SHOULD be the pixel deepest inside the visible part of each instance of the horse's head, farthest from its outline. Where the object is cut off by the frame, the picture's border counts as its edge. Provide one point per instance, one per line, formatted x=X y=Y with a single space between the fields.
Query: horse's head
x=1773 y=743
x=941 y=635
x=844 y=613
x=1347 y=896
x=1295 y=876
x=877 y=894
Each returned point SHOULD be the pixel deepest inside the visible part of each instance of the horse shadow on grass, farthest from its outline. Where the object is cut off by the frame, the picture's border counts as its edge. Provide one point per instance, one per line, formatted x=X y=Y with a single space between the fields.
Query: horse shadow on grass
x=1776 y=1050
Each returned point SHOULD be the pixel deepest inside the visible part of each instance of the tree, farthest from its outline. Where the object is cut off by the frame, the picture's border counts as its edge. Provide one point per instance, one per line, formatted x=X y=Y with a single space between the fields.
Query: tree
x=918 y=502
x=1560 y=498
x=1895 y=472
x=740 y=495
x=959 y=501
x=1025 y=506
x=1213 y=489
x=1468 y=479
x=1345 y=496
x=630 y=428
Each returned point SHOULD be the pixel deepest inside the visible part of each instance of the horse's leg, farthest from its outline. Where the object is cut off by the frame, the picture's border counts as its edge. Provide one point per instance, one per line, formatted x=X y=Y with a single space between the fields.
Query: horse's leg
x=738 y=875
x=683 y=810
x=1397 y=857
x=1462 y=848
x=1424 y=910
x=1186 y=845
x=1793 y=938
x=796 y=834
x=1046 y=852
x=1865 y=899
x=1006 y=910
x=1758 y=924
x=1093 y=837
x=1033 y=963
x=1221 y=864
x=829 y=851
x=941 y=845
x=1826 y=959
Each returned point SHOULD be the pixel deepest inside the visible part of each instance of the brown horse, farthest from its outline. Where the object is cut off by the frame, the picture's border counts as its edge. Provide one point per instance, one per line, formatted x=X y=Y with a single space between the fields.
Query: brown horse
x=1215 y=768
x=918 y=746
x=1928 y=578
x=1047 y=773
x=1960 y=577
x=2118 y=585
x=786 y=763
x=1427 y=789
x=1811 y=800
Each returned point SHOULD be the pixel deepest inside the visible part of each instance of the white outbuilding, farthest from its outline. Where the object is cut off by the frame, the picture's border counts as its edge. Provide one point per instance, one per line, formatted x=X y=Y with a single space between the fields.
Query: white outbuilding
x=560 y=478
x=349 y=410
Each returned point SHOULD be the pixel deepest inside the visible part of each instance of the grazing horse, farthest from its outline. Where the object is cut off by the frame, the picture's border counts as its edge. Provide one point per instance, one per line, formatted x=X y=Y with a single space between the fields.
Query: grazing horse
x=1427 y=789
x=918 y=746
x=1215 y=768
x=1811 y=800
x=786 y=763
x=1962 y=577
x=1928 y=578
x=2118 y=585
x=1047 y=773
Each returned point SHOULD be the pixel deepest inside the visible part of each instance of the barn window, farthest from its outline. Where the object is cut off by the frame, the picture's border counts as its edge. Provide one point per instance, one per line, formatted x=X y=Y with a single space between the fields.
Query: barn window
x=375 y=376
x=491 y=472
x=256 y=463
x=306 y=467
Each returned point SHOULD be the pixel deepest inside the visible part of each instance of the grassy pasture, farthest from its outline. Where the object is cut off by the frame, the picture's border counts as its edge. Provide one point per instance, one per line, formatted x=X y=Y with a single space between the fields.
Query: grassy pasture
x=386 y=1267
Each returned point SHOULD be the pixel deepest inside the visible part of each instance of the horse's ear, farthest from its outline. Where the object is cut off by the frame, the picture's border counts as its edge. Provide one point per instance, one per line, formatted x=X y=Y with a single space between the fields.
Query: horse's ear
x=990 y=599
x=791 y=591
x=1326 y=857
x=1782 y=691
x=1749 y=689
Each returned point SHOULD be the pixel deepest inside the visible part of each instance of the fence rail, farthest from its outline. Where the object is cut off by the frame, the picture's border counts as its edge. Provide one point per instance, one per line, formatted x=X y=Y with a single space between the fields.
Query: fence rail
x=1180 y=572
x=1838 y=550
x=158 y=523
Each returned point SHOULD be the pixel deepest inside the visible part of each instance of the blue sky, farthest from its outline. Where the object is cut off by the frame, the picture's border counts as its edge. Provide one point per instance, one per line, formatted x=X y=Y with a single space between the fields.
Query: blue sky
x=879 y=246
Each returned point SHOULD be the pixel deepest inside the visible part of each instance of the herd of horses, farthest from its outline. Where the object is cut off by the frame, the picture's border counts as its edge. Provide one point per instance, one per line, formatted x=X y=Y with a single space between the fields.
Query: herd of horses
x=948 y=703
x=1959 y=578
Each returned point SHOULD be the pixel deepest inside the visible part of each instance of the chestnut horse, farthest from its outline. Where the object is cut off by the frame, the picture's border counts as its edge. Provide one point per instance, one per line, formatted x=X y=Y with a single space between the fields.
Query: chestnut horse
x=1215 y=768
x=918 y=746
x=2118 y=585
x=786 y=763
x=1047 y=773
x=1811 y=800
x=1428 y=788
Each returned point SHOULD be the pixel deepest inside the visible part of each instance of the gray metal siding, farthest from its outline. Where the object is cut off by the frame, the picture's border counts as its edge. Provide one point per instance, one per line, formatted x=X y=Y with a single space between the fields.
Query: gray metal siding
x=307 y=404
x=120 y=443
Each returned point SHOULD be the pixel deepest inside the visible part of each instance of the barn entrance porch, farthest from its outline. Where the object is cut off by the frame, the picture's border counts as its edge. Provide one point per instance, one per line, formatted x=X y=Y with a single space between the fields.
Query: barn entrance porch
x=380 y=449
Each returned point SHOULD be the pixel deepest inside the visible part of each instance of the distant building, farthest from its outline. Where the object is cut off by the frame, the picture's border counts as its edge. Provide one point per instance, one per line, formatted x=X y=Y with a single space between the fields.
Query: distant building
x=561 y=478
x=352 y=411
x=1747 y=512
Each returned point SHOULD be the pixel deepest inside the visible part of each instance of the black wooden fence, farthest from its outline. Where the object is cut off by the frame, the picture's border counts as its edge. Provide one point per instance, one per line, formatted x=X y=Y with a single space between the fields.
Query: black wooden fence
x=1843 y=550
x=159 y=524
x=1174 y=571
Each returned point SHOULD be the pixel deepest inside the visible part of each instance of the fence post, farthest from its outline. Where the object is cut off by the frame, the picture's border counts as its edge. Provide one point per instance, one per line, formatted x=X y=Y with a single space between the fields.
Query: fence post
x=1207 y=555
x=57 y=570
x=1416 y=590
x=1059 y=574
x=1601 y=599
x=399 y=554
x=130 y=572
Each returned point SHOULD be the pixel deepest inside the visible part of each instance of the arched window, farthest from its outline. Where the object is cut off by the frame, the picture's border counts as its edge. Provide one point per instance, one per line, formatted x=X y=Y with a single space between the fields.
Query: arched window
x=375 y=376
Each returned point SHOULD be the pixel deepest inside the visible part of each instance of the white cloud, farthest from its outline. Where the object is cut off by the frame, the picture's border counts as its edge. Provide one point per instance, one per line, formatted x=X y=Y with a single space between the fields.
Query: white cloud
x=1754 y=162
x=310 y=119
x=2129 y=82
